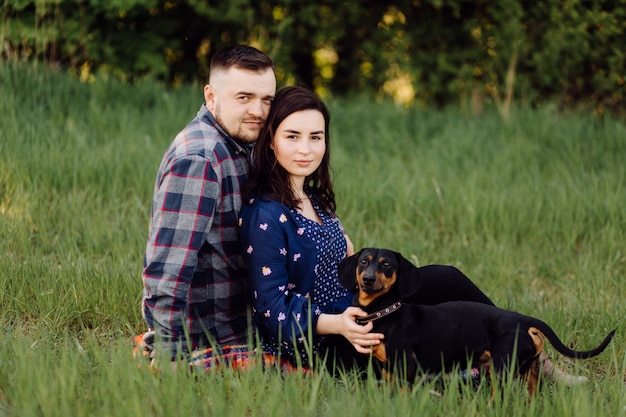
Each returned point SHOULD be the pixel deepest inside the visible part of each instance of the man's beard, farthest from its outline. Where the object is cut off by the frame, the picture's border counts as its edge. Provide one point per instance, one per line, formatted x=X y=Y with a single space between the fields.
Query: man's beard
x=240 y=136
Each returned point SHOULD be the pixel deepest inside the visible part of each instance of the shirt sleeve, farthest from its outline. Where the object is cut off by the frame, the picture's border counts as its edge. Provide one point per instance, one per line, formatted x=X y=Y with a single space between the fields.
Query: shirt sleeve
x=182 y=213
x=281 y=303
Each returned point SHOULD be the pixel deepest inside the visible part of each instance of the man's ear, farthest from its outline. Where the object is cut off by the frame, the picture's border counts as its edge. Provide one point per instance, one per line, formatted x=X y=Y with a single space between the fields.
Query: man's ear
x=209 y=97
x=347 y=271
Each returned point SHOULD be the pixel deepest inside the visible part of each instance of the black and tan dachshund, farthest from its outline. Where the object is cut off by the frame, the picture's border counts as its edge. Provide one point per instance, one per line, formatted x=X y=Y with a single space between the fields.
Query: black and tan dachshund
x=436 y=338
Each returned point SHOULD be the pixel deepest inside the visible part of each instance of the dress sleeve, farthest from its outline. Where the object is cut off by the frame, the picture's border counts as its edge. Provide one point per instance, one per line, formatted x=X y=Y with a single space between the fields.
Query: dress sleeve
x=281 y=303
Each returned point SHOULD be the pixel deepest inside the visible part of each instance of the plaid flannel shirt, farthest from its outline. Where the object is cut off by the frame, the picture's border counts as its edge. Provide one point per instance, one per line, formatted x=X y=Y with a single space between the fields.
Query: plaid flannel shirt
x=194 y=274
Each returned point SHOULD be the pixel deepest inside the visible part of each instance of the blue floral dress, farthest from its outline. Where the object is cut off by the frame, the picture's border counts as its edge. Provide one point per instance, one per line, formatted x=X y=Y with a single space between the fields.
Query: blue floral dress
x=292 y=273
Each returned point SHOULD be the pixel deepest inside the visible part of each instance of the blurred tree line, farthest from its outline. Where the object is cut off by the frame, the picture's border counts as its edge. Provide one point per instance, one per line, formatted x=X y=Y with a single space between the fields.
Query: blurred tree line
x=427 y=52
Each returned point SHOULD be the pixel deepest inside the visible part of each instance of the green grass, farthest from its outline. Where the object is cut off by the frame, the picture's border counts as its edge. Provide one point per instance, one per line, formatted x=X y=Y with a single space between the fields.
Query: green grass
x=532 y=211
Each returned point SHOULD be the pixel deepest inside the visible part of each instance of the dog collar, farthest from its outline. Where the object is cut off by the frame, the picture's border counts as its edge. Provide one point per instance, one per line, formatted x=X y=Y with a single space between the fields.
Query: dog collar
x=379 y=314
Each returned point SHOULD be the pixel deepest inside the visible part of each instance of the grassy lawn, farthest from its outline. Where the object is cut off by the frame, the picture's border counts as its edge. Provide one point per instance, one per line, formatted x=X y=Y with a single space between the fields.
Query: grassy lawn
x=533 y=211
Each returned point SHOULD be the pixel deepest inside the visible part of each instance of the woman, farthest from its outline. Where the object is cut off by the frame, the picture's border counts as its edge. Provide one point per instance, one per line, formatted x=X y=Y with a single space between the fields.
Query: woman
x=292 y=239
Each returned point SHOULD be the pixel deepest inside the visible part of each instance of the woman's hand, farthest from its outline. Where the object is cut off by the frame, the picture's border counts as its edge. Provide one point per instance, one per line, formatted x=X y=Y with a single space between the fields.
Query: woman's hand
x=345 y=324
x=357 y=334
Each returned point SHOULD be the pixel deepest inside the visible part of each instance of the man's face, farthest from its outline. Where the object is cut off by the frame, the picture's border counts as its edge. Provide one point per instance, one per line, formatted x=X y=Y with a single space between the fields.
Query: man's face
x=240 y=101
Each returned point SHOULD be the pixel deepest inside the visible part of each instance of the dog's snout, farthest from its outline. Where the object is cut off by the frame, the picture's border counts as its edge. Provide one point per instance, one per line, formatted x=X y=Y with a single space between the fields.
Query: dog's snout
x=369 y=279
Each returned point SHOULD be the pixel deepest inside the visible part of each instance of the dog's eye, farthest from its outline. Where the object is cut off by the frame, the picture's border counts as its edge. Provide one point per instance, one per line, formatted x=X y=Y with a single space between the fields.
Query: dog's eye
x=386 y=264
x=363 y=261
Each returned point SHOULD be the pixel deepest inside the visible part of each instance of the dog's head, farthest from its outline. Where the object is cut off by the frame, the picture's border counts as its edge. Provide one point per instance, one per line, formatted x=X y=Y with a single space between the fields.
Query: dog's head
x=374 y=272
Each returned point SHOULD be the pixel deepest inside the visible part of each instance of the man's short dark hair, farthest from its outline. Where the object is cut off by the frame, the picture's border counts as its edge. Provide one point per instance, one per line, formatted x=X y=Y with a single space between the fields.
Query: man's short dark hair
x=241 y=57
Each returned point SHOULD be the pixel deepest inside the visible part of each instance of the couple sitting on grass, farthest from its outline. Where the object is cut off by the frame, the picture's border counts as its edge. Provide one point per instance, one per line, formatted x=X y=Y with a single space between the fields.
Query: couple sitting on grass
x=244 y=213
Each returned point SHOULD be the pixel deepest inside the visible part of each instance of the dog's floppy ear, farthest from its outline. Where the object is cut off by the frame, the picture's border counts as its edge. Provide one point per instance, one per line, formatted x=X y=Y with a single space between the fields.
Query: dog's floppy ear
x=408 y=277
x=347 y=271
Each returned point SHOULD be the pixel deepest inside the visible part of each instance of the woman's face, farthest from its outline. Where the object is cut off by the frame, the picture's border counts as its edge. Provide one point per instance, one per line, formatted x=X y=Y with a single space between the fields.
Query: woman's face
x=300 y=143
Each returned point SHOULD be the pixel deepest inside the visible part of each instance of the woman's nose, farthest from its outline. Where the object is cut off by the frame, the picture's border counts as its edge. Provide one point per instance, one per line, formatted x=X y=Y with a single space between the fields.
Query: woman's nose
x=303 y=146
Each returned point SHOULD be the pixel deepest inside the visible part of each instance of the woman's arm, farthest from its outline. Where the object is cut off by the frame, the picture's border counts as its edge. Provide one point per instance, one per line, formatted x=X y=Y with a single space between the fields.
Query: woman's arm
x=280 y=273
x=350 y=245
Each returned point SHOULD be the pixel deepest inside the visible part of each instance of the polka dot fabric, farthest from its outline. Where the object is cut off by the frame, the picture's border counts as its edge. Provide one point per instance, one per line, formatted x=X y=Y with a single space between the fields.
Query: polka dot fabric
x=331 y=248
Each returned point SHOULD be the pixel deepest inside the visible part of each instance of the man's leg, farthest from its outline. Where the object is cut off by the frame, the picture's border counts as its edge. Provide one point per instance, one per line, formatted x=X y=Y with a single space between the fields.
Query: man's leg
x=554 y=374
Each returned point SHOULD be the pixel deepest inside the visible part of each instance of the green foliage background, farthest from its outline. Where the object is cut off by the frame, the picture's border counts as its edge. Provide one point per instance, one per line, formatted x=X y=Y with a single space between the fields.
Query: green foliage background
x=429 y=52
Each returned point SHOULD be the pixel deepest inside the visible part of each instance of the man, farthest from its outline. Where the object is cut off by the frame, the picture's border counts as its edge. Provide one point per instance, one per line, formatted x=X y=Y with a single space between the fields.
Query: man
x=194 y=276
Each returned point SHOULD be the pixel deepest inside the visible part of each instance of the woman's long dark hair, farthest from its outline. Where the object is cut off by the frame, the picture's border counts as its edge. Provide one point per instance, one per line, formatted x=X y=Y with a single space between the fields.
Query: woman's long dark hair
x=267 y=177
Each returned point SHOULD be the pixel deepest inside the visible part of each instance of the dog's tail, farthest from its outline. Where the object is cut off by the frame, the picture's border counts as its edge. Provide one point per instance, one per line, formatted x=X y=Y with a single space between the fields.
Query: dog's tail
x=561 y=348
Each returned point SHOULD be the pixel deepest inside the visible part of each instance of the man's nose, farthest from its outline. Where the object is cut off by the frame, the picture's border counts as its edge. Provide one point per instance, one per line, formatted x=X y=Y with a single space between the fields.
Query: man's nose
x=258 y=108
